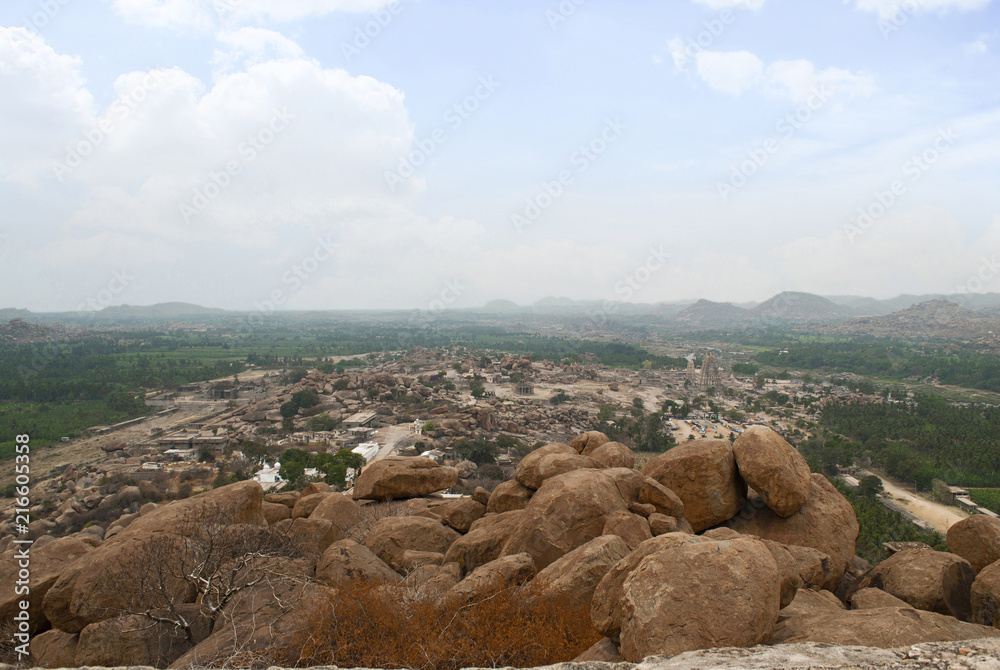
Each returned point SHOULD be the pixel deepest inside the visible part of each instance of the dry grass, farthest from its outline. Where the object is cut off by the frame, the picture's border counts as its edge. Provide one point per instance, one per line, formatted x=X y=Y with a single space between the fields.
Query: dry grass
x=369 y=625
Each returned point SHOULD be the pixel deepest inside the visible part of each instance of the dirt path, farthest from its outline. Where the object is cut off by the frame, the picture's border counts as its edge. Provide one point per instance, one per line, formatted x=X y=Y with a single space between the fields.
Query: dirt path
x=389 y=438
x=941 y=517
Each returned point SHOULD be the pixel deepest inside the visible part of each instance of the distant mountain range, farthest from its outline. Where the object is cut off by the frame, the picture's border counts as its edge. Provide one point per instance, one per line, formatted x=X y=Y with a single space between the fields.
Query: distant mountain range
x=835 y=313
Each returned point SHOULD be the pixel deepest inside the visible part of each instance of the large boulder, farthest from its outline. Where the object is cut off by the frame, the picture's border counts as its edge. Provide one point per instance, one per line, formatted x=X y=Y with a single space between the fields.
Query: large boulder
x=551 y=465
x=460 y=514
x=699 y=596
x=663 y=500
x=703 y=475
x=502 y=573
x=509 y=496
x=46 y=564
x=526 y=473
x=585 y=443
x=605 y=608
x=773 y=468
x=91 y=591
x=884 y=627
x=577 y=574
x=568 y=511
x=432 y=582
x=134 y=641
x=311 y=536
x=401 y=478
x=347 y=561
x=986 y=596
x=275 y=512
x=392 y=536
x=339 y=509
x=484 y=542
x=54 y=649
x=613 y=455
x=630 y=527
x=976 y=539
x=807 y=601
x=929 y=580
x=826 y=523
x=305 y=505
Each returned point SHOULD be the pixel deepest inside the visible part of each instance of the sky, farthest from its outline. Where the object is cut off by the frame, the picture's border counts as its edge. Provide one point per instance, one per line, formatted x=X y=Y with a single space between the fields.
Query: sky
x=420 y=154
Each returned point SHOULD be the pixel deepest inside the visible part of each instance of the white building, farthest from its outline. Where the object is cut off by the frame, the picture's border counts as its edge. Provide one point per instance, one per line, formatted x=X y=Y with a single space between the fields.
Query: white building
x=367 y=450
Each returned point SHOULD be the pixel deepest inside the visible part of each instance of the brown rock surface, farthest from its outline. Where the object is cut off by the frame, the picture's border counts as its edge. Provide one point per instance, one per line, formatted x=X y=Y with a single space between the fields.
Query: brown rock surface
x=390 y=537
x=699 y=596
x=484 y=542
x=275 y=512
x=660 y=524
x=929 y=580
x=460 y=514
x=976 y=539
x=305 y=505
x=826 y=523
x=54 y=649
x=986 y=596
x=46 y=564
x=589 y=440
x=578 y=573
x=346 y=561
x=603 y=651
x=630 y=527
x=870 y=598
x=884 y=627
x=401 y=478
x=773 y=468
x=502 y=573
x=509 y=496
x=432 y=582
x=339 y=509
x=605 y=608
x=807 y=601
x=312 y=536
x=526 y=473
x=703 y=475
x=568 y=511
x=613 y=455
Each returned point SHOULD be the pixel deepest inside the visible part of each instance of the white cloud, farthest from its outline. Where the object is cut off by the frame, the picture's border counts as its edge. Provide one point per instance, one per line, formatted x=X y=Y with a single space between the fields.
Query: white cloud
x=799 y=79
x=203 y=15
x=730 y=72
x=44 y=100
x=735 y=72
x=726 y=4
x=247 y=46
x=889 y=8
x=979 y=47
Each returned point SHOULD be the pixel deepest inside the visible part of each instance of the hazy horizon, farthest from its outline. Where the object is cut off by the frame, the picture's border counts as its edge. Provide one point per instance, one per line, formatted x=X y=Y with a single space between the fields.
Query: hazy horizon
x=386 y=155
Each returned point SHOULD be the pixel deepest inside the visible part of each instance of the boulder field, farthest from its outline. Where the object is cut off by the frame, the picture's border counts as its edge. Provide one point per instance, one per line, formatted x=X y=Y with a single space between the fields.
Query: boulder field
x=712 y=544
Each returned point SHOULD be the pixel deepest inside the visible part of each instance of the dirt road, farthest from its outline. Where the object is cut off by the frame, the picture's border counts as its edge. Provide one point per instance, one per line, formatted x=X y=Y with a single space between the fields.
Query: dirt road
x=939 y=516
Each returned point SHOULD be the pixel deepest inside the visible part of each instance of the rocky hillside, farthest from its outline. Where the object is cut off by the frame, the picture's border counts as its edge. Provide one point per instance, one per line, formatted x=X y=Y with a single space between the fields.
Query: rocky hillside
x=709 y=545
x=933 y=319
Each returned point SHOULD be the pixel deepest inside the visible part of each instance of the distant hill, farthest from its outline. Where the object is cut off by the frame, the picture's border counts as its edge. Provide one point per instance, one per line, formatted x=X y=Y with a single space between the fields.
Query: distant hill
x=163 y=310
x=792 y=306
x=18 y=331
x=708 y=314
x=937 y=318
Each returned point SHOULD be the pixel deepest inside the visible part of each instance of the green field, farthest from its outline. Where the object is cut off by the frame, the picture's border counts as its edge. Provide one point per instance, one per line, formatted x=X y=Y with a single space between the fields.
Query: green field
x=988 y=498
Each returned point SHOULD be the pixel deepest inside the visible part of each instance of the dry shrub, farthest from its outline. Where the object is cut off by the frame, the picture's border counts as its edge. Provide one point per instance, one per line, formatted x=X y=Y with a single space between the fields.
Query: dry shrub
x=367 y=625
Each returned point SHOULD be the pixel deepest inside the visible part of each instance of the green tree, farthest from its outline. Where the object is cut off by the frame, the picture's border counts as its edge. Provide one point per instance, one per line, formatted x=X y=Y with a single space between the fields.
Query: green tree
x=870 y=486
